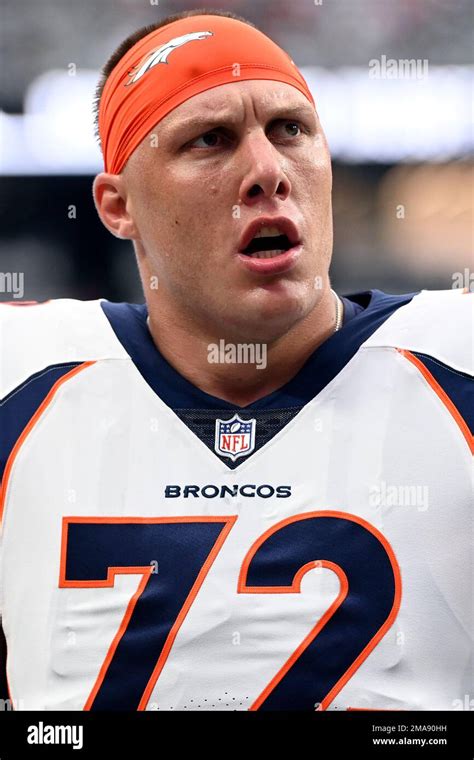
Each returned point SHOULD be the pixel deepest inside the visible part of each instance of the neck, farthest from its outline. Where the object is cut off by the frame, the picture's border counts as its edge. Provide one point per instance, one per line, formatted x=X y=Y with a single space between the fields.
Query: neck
x=241 y=373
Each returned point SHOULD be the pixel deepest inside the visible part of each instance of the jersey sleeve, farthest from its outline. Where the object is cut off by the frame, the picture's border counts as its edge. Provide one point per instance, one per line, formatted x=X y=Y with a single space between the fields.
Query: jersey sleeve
x=39 y=344
x=435 y=334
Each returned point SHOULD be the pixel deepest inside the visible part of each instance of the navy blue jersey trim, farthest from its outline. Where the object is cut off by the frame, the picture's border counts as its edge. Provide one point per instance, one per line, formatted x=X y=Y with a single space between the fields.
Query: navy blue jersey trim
x=4 y=695
x=129 y=324
x=18 y=407
x=364 y=313
x=458 y=386
x=351 y=308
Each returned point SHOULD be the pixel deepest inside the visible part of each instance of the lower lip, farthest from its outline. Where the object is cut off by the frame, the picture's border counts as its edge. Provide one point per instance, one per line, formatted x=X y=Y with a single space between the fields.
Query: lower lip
x=276 y=265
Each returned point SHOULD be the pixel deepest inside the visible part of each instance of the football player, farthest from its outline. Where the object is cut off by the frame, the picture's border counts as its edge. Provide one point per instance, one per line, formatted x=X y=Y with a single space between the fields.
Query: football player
x=248 y=492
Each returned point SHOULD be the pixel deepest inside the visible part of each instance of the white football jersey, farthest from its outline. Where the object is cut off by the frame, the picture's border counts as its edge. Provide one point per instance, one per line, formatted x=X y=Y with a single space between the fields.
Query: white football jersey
x=164 y=549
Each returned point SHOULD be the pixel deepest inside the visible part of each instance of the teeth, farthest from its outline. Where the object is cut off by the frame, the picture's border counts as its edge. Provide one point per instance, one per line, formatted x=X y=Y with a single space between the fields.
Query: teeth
x=266 y=254
x=268 y=232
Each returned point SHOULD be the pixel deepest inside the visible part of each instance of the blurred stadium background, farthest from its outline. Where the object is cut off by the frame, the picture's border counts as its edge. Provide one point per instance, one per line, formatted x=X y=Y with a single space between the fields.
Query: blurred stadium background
x=401 y=144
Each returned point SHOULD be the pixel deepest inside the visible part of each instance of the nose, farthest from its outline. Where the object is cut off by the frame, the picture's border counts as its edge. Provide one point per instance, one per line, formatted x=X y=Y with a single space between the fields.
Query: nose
x=264 y=177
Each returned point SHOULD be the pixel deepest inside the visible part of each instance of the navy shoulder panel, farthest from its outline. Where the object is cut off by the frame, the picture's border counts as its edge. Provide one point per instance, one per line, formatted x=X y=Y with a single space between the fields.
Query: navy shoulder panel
x=19 y=406
x=459 y=387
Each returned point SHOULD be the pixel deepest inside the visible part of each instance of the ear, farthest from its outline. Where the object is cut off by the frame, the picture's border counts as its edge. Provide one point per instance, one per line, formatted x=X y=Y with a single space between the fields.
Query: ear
x=110 y=198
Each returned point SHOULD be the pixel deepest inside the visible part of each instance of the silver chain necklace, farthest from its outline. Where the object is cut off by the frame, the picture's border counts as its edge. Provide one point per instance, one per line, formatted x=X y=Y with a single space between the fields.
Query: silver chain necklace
x=339 y=311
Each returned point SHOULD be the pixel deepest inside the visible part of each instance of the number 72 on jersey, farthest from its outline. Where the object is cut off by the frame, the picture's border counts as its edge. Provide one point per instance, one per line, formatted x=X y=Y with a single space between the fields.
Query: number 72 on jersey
x=95 y=549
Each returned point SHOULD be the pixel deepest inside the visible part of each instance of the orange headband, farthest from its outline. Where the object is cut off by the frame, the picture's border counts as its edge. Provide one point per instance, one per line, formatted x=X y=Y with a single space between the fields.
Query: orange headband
x=175 y=62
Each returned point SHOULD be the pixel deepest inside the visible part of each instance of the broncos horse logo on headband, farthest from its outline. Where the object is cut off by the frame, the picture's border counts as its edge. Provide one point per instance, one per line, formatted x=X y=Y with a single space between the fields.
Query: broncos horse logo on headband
x=160 y=55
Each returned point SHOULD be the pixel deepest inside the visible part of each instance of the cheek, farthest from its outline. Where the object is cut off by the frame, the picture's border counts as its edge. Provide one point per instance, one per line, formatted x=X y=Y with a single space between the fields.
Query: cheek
x=190 y=195
x=312 y=164
x=193 y=205
x=318 y=162
x=312 y=186
x=163 y=209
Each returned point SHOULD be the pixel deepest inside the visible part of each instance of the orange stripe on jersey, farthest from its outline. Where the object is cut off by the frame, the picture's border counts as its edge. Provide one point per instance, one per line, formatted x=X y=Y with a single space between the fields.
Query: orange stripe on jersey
x=295 y=587
x=29 y=427
x=230 y=520
x=344 y=587
x=442 y=395
x=146 y=571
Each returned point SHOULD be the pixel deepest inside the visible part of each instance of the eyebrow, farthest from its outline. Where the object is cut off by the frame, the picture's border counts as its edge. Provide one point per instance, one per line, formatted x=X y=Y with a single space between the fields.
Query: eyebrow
x=202 y=123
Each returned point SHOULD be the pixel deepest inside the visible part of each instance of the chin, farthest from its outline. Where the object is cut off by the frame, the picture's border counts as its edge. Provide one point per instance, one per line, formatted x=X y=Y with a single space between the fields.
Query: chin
x=293 y=300
x=267 y=319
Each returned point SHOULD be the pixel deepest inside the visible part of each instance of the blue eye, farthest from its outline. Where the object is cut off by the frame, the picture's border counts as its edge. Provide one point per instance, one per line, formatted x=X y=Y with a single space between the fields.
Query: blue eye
x=211 y=139
x=207 y=136
x=293 y=124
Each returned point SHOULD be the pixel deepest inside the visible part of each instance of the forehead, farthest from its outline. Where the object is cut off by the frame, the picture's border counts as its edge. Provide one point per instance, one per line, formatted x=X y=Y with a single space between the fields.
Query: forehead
x=234 y=99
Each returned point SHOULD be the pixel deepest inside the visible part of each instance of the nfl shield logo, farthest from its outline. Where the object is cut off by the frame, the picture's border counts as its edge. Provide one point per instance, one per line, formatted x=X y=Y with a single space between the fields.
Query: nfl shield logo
x=235 y=437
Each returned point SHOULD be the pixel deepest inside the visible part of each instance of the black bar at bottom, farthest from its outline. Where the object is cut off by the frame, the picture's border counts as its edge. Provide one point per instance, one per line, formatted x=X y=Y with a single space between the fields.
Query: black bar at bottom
x=135 y=735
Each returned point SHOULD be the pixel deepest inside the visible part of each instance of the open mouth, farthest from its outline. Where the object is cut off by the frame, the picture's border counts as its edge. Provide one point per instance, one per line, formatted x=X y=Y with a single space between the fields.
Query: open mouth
x=267 y=243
